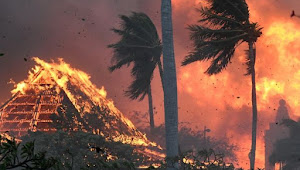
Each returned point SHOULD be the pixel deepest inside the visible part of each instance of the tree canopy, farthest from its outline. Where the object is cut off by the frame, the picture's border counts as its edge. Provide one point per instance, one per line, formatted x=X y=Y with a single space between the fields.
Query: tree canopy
x=224 y=26
x=139 y=45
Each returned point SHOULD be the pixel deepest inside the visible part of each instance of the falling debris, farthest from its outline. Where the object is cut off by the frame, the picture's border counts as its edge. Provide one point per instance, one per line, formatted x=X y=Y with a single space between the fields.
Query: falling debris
x=293 y=13
x=36 y=98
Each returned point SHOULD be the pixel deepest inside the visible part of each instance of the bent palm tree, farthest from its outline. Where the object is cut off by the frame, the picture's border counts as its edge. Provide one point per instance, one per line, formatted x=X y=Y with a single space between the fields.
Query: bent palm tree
x=170 y=84
x=139 y=45
x=227 y=25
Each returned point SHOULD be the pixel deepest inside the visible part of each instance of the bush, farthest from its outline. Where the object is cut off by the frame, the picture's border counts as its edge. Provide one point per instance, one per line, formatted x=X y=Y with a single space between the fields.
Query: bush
x=22 y=156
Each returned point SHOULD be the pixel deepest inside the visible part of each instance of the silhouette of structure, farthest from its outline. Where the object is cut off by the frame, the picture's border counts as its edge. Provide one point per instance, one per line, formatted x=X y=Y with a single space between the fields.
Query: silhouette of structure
x=52 y=85
x=30 y=110
x=275 y=133
x=39 y=96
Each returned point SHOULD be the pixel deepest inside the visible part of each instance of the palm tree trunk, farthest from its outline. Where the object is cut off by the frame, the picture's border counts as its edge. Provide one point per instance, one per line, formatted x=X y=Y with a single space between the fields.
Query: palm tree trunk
x=170 y=86
x=151 y=115
x=161 y=73
x=252 y=54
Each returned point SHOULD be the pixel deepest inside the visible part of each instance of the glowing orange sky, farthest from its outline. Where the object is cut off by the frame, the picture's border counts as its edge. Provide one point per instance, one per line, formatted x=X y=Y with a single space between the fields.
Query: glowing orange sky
x=221 y=102
x=224 y=100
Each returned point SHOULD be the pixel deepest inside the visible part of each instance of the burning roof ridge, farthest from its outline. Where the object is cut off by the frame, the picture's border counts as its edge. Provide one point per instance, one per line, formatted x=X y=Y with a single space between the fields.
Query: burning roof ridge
x=80 y=91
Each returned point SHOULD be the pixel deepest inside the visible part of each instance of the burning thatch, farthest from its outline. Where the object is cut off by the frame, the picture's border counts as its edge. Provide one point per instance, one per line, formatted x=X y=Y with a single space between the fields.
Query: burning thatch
x=47 y=85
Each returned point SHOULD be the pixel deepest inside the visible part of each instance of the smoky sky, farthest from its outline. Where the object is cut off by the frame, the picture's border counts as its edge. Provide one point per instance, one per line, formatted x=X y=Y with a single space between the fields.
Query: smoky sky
x=79 y=31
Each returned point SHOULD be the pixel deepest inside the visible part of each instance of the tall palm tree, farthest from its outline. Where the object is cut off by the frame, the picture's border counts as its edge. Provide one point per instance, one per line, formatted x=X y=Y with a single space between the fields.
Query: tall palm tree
x=225 y=25
x=170 y=84
x=139 y=45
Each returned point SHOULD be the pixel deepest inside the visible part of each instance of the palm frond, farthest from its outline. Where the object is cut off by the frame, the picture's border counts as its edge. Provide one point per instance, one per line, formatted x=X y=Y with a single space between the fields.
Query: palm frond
x=203 y=33
x=241 y=7
x=216 y=19
x=128 y=34
x=120 y=63
x=217 y=45
x=221 y=61
x=222 y=41
x=220 y=54
x=143 y=73
x=140 y=24
x=201 y=54
x=226 y=25
x=235 y=9
x=139 y=45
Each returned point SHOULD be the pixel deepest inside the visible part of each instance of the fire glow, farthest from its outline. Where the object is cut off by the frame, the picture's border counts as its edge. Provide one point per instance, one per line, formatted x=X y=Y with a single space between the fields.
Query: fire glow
x=221 y=102
x=64 y=76
x=228 y=94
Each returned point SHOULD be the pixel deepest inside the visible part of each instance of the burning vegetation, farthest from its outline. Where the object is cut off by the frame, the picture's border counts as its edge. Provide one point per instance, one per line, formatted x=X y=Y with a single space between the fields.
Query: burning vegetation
x=62 y=110
x=42 y=93
x=57 y=96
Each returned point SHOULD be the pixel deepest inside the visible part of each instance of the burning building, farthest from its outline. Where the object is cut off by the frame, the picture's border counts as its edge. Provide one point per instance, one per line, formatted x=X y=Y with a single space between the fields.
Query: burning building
x=48 y=84
x=275 y=133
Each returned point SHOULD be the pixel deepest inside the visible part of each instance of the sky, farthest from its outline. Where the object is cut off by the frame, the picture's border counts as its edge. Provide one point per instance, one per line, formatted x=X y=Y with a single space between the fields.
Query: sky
x=79 y=32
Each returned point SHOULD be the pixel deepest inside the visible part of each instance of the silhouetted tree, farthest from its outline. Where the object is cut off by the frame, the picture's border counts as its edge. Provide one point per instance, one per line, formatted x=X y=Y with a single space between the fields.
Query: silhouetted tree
x=169 y=83
x=14 y=155
x=139 y=45
x=226 y=26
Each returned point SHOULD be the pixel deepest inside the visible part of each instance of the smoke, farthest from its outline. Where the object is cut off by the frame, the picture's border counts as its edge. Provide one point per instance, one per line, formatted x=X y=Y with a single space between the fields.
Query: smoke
x=223 y=102
x=79 y=32
x=75 y=30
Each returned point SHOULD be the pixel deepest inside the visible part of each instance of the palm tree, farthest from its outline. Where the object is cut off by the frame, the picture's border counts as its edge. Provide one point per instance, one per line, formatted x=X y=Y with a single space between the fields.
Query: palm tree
x=170 y=84
x=139 y=45
x=226 y=26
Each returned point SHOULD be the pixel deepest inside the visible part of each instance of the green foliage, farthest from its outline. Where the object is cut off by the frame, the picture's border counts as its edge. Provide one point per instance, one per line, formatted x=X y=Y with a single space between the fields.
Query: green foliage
x=23 y=156
x=139 y=45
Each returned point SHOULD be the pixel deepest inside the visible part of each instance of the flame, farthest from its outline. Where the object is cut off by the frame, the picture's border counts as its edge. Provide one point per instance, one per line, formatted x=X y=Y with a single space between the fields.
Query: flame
x=20 y=87
x=285 y=38
x=225 y=98
x=64 y=77
x=269 y=88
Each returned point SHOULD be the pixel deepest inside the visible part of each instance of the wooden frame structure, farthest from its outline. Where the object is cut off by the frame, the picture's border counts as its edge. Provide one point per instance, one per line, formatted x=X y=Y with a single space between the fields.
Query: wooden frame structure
x=31 y=110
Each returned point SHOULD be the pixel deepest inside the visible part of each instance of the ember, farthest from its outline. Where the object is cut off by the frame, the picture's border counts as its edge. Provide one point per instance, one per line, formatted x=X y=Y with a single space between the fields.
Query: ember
x=39 y=96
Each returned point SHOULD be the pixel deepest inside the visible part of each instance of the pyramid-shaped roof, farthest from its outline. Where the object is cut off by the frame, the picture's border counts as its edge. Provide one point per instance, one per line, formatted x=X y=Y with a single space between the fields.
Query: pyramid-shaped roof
x=39 y=96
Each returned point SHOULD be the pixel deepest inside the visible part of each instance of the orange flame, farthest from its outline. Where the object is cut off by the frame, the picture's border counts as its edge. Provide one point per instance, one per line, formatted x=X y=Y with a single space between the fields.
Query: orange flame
x=224 y=95
x=63 y=75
